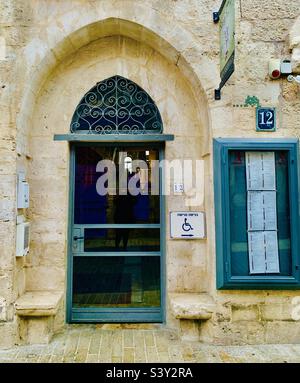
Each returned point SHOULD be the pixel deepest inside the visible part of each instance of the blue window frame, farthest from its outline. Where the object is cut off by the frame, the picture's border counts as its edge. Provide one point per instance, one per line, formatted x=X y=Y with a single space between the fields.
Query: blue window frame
x=90 y=269
x=231 y=214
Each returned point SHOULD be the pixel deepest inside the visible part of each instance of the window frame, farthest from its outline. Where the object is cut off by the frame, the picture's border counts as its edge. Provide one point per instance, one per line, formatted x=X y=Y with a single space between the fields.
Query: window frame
x=221 y=148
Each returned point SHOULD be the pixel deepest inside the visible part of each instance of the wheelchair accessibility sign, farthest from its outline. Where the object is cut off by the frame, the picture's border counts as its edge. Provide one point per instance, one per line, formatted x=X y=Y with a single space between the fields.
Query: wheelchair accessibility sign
x=187 y=225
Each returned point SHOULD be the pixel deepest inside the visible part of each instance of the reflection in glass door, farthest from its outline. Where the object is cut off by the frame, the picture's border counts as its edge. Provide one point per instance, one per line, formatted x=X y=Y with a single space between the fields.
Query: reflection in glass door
x=115 y=246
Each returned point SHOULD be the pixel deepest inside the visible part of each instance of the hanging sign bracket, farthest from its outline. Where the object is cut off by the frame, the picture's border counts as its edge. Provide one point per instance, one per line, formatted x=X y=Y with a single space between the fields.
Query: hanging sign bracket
x=226 y=17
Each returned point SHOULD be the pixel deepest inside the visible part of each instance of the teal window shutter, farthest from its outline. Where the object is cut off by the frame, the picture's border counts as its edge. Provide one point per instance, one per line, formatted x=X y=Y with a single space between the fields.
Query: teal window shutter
x=230 y=185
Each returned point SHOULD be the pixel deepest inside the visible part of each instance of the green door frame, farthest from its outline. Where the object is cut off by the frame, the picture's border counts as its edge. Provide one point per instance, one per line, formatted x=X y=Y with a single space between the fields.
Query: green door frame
x=118 y=315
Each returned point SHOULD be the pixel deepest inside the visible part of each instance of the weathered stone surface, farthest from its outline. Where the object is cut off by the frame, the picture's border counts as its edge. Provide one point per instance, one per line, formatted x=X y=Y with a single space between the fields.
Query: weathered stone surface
x=279 y=311
x=261 y=31
x=189 y=330
x=268 y=10
x=8 y=334
x=290 y=91
x=3 y=310
x=192 y=306
x=36 y=330
x=245 y=313
x=296 y=59
x=282 y=332
x=38 y=303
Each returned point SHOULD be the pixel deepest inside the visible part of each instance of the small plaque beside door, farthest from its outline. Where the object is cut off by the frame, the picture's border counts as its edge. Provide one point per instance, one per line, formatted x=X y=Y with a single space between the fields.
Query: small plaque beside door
x=187 y=225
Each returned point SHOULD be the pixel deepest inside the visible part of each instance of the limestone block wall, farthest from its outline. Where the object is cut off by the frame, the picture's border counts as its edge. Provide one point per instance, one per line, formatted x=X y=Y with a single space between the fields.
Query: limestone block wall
x=55 y=51
x=262 y=33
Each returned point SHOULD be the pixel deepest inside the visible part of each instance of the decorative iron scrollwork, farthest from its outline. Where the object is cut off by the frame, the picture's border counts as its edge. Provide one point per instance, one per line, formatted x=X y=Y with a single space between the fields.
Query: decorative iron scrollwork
x=116 y=106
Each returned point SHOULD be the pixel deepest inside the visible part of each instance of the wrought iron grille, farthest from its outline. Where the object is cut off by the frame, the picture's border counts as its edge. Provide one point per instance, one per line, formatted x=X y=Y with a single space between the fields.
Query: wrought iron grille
x=116 y=106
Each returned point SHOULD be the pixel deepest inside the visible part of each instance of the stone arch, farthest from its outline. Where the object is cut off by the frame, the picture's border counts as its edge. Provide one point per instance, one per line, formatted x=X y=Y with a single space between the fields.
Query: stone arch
x=48 y=168
x=175 y=43
x=178 y=47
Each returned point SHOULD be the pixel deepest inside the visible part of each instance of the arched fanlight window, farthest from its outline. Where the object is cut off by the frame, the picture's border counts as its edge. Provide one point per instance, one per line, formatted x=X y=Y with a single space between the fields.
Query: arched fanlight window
x=116 y=106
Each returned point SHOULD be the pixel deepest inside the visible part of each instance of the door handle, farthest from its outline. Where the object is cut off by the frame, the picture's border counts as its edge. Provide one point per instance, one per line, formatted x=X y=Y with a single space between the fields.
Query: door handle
x=76 y=238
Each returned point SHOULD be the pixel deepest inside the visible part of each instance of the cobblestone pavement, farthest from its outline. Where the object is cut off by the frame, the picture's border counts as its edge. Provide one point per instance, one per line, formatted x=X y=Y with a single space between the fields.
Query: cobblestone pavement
x=121 y=343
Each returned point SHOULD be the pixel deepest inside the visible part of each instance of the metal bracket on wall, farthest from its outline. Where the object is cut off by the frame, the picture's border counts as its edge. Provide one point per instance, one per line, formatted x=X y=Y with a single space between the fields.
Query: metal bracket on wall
x=227 y=72
x=216 y=17
x=292 y=78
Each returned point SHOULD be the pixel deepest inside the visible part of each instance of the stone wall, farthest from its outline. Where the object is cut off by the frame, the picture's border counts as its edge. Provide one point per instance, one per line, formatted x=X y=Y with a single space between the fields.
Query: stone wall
x=56 y=50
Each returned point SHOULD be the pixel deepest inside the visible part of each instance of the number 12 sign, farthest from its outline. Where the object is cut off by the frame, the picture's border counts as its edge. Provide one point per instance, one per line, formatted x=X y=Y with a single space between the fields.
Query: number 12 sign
x=265 y=119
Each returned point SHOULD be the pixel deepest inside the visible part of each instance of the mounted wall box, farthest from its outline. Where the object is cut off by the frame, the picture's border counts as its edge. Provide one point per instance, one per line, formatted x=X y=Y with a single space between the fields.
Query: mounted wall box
x=275 y=68
x=22 y=192
x=286 y=67
x=22 y=237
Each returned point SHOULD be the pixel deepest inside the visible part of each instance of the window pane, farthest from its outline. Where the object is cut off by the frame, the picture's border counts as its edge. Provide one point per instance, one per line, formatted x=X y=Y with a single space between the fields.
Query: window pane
x=121 y=240
x=238 y=213
x=116 y=282
x=283 y=213
x=94 y=208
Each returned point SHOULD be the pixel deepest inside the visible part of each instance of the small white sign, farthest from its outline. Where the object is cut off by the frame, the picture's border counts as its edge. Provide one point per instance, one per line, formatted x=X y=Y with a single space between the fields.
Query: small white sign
x=178 y=188
x=187 y=225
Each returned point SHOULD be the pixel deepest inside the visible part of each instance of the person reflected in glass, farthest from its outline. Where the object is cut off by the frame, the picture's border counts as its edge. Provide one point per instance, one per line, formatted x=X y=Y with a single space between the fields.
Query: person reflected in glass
x=124 y=214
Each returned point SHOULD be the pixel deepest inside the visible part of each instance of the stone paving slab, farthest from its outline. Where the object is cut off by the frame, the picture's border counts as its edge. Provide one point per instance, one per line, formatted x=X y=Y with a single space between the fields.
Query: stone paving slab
x=129 y=344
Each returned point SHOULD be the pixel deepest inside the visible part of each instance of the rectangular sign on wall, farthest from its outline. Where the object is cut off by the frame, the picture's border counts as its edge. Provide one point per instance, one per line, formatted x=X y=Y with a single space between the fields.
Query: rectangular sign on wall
x=187 y=225
x=227 y=32
x=265 y=119
x=226 y=19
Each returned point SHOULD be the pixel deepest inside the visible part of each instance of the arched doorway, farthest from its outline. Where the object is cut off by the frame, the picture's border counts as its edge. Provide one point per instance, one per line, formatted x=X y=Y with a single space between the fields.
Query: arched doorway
x=116 y=234
x=61 y=94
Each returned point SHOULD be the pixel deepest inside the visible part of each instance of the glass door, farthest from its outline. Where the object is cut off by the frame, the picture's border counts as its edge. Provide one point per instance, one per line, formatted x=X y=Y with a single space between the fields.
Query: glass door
x=116 y=247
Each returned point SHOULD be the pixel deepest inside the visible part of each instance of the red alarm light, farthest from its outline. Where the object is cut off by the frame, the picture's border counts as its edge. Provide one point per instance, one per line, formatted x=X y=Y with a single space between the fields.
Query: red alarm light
x=276 y=73
x=274 y=68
